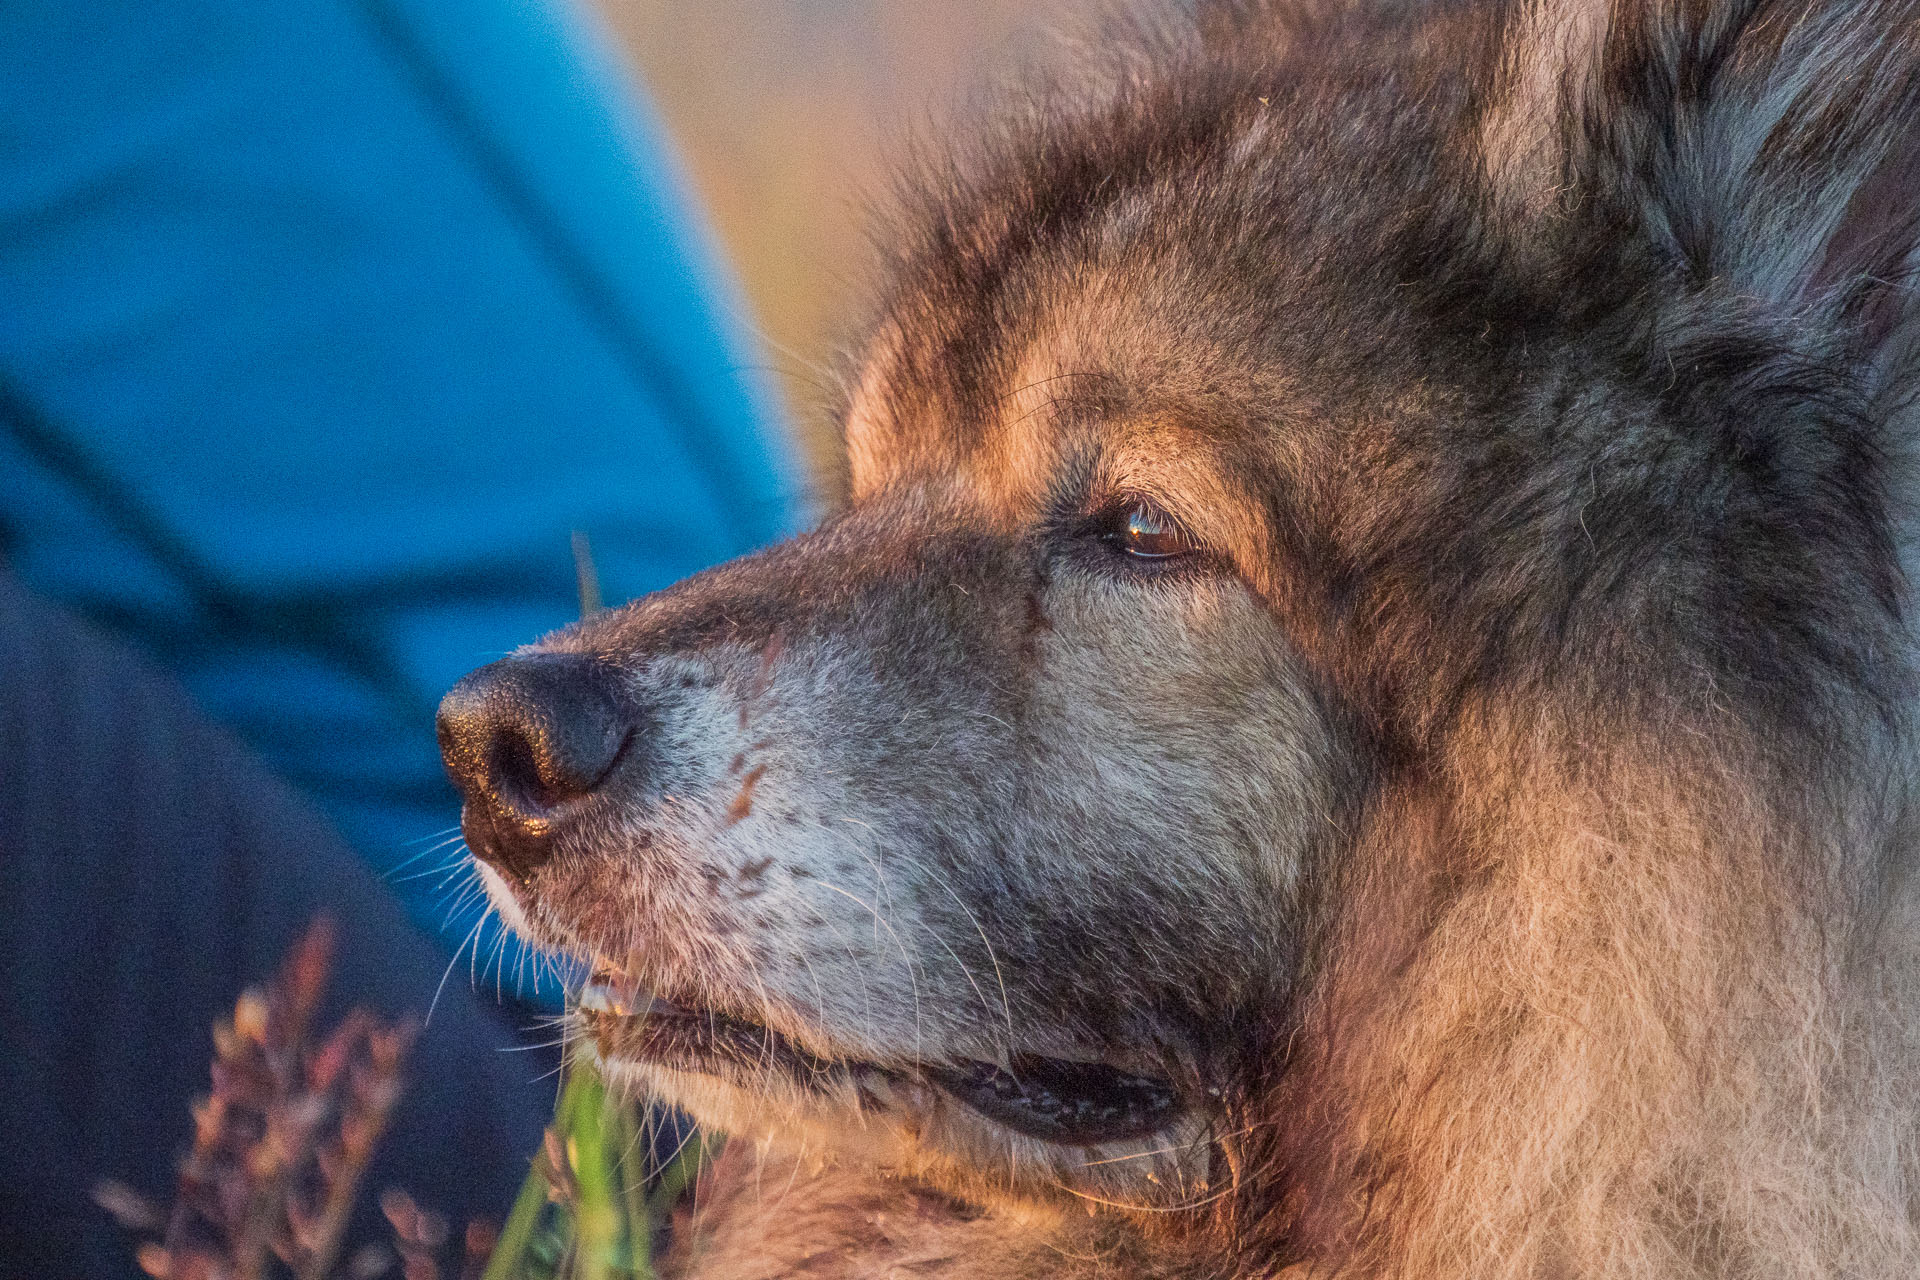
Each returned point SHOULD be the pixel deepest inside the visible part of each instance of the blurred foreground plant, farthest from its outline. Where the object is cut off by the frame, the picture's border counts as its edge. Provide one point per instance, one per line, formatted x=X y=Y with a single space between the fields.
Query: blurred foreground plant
x=590 y=1209
x=283 y=1141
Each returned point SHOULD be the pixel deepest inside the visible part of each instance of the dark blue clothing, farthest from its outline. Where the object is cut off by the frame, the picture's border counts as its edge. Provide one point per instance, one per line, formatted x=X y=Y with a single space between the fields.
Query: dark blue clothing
x=150 y=867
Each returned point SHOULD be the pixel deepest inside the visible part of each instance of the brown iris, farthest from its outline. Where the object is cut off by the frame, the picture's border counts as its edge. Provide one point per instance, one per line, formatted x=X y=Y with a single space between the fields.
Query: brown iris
x=1145 y=532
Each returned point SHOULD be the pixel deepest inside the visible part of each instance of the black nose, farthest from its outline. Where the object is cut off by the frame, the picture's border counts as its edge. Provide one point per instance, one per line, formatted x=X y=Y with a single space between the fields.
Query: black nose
x=525 y=740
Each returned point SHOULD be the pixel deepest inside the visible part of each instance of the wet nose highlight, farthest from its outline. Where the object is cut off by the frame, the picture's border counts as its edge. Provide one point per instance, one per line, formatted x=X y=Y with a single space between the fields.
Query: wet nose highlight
x=524 y=736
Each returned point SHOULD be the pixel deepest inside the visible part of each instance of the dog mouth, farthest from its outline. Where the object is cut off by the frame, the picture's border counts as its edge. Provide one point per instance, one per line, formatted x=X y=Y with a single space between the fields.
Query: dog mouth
x=1055 y=1100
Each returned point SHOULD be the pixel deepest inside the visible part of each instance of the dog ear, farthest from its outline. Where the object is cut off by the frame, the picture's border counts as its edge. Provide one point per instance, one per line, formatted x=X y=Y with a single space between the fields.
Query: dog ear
x=1771 y=147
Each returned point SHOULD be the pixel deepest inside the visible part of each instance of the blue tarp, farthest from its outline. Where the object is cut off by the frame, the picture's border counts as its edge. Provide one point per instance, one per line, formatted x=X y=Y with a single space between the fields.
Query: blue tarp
x=323 y=325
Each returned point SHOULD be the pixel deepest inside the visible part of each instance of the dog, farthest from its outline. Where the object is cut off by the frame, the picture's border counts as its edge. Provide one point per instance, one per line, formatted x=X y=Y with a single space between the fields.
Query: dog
x=1361 y=713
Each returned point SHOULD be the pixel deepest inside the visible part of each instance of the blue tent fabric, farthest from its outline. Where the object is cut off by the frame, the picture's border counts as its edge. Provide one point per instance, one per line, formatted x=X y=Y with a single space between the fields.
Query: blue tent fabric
x=324 y=324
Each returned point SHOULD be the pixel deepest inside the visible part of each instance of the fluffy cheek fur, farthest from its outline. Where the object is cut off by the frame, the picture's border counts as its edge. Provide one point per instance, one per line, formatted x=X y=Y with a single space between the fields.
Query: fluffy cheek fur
x=1617 y=1037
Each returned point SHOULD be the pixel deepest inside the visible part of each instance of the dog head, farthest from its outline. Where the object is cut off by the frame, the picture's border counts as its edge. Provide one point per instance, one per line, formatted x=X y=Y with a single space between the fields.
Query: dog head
x=1233 y=432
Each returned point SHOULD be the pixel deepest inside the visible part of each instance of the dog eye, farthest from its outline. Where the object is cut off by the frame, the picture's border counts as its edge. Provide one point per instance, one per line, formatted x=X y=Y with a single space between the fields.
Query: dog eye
x=1144 y=532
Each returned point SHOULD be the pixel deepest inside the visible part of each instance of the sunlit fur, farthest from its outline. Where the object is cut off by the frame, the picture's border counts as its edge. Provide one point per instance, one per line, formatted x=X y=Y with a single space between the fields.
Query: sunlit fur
x=1502 y=832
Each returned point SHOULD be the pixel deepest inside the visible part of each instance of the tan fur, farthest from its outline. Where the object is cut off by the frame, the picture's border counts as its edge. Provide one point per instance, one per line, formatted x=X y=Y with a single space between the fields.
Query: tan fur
x=1632 y=1023
x=762 y=1215
x=1548 y=69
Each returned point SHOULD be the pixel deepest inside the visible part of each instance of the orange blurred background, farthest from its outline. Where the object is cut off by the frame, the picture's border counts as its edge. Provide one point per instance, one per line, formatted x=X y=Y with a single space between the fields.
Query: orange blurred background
x=785 y=113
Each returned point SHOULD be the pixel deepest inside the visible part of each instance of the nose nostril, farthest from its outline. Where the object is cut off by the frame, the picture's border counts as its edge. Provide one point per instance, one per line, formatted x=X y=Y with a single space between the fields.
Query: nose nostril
x=516 y=769
x=535 y=772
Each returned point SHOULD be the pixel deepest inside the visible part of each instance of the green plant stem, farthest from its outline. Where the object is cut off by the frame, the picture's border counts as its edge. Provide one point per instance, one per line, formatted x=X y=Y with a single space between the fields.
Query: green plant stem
x=628 y=1133
x=509 y=1252
x=596 y=1214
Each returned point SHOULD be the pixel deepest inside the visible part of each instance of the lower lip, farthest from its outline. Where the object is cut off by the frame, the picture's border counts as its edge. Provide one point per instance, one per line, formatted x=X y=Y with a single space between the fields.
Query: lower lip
x=1056 y=1101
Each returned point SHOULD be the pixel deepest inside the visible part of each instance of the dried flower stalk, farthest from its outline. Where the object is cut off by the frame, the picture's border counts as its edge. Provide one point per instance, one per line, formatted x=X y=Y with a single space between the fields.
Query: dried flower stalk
x=282 y=1141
